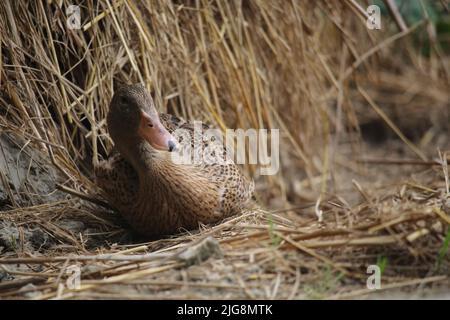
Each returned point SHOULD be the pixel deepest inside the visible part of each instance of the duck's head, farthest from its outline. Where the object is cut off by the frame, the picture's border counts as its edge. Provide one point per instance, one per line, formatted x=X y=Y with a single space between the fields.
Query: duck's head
x=132 y=116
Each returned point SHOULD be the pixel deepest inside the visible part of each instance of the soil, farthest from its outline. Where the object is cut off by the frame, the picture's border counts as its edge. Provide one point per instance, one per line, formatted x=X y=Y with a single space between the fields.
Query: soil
x=27 y=175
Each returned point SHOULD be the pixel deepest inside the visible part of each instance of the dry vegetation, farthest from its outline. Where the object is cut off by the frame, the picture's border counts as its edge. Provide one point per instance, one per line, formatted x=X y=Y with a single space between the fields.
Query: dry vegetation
x=310 y=68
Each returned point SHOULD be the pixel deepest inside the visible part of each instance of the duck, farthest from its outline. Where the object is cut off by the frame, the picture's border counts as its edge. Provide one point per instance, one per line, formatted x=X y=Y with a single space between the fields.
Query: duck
x=156 y=195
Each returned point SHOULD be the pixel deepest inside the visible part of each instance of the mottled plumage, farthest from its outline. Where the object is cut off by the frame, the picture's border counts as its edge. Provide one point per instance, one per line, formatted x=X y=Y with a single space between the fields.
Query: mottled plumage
x=154 y=194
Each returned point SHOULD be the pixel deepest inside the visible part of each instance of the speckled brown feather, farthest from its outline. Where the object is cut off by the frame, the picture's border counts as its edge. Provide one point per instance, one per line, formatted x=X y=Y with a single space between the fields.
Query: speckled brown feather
x=175 y=196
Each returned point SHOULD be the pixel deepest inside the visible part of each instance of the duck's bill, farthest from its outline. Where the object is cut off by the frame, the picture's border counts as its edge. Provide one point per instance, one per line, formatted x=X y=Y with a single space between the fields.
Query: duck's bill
x=156 y=134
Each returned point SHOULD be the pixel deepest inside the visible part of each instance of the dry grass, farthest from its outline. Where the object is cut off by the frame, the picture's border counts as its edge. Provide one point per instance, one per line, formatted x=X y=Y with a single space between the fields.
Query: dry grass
x=265 y=255
x=309 y=68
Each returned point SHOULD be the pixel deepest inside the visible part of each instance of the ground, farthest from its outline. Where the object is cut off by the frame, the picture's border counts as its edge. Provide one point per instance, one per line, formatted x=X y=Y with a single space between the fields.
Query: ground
x=390 y=215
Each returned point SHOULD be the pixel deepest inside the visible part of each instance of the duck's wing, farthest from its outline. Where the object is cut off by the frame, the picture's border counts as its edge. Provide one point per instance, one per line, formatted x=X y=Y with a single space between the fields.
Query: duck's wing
x=118 y=180
x=235 y=189
x=173 y=123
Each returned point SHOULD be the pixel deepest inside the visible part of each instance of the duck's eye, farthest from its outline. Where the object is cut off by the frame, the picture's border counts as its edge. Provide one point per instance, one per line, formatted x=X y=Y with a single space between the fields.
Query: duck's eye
x=124 y=100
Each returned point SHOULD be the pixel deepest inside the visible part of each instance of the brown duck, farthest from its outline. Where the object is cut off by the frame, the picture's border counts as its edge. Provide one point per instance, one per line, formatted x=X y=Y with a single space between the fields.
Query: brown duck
x=156 y=195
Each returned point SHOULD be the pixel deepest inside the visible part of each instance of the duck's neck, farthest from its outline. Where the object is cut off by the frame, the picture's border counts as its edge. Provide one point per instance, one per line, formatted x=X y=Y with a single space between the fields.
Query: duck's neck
x=140 y=155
